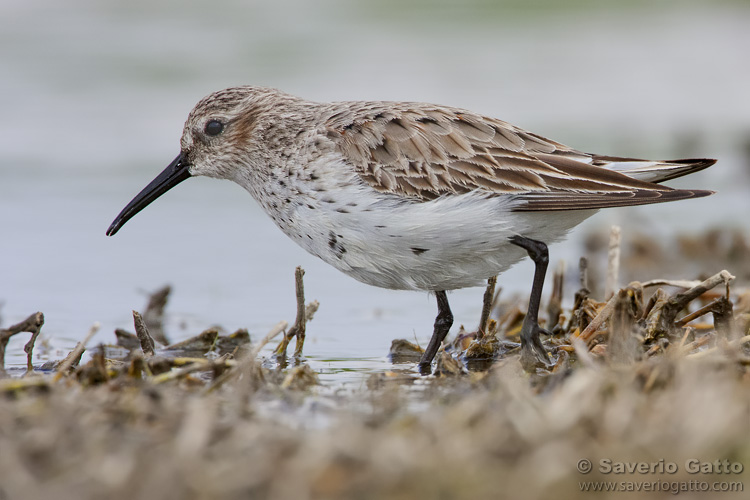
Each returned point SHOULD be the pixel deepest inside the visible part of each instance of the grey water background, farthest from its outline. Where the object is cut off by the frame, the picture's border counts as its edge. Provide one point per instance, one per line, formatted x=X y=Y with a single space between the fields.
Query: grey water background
x=94 y=94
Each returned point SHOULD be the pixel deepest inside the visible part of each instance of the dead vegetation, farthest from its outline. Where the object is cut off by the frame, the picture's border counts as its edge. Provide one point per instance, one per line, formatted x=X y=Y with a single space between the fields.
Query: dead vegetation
x=658 y=371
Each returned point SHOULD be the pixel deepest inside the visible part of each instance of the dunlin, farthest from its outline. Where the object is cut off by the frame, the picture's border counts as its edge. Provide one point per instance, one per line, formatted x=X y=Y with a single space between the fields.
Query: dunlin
x=407 y=195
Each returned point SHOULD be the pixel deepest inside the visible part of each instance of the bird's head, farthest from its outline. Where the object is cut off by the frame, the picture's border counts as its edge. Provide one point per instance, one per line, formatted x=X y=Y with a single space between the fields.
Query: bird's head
x=220 y=139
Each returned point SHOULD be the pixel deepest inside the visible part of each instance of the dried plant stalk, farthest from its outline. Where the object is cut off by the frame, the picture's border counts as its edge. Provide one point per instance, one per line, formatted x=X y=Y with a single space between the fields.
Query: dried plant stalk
x=487 y=300
x=75 y=354
x=153 y=316
x=304 y=314
x=33 y=325
x=147 y=342
x=613 y=265
x=554 y=306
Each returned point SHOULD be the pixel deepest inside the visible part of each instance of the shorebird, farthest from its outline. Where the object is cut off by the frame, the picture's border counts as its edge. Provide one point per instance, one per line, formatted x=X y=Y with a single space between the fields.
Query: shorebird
x=409 y=195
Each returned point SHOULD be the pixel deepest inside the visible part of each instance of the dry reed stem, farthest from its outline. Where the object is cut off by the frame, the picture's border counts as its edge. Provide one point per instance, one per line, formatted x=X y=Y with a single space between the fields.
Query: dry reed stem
x=554 y=305
x=298 y=328
x=145 y=339
x=33 y=325
x=674 y=283
x=277 y=329
x=75 y=353
x=598 y=320
x=673 y=305
x=153 y=316
x=487 y=300
x=613 y=262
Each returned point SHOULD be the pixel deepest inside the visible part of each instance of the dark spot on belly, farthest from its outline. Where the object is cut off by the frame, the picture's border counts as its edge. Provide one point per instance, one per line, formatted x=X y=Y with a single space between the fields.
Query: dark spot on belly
x=313 y=177
x=336 y=246
x=380 y=227
x=342 y=210
x=418 y=251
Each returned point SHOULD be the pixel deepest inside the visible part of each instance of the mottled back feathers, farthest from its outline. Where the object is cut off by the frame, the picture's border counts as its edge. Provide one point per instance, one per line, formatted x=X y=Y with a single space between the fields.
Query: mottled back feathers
x=424 y=151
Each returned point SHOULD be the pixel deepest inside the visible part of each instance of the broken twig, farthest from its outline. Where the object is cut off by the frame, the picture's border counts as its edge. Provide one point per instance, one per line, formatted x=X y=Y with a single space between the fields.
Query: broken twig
x=147 y=343
x=33 y=325
x=75 y=354
x=153 y=316
x=489 y=295
x=554 y=306
x=304 y=314
x=599 y=320
x=672 y=307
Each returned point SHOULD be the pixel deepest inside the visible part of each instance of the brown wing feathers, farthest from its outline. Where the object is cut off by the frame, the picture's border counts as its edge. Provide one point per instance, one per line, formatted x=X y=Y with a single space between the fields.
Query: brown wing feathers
x=424 y=151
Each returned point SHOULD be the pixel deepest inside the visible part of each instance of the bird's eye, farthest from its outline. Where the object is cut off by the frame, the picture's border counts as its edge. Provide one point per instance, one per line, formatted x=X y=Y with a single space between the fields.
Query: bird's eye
x=214 y=127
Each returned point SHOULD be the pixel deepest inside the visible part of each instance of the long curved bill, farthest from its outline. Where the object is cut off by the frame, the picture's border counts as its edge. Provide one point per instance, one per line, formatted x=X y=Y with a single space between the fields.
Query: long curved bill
x=176 y=172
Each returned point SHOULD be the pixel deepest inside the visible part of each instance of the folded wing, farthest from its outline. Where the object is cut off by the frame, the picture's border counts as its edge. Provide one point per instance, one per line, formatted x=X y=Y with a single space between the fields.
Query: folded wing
x=423 y=151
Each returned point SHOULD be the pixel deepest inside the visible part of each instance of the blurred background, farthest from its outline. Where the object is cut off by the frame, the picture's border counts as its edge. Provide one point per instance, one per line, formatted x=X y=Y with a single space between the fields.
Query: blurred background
x=94 y=94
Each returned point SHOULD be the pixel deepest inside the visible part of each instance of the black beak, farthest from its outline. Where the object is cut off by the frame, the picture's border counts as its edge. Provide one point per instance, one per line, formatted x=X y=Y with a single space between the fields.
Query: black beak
x=176 y=172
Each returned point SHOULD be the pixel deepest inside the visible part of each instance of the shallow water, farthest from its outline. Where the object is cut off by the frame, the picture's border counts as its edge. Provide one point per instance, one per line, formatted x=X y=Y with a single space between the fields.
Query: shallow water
x=95 y=94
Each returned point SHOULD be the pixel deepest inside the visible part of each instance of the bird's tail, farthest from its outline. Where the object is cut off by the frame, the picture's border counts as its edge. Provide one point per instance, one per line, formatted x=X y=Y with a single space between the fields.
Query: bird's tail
x=653 y=171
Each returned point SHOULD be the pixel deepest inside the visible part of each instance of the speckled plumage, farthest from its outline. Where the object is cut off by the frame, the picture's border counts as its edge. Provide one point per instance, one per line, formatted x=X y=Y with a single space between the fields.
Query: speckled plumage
x=410 y=195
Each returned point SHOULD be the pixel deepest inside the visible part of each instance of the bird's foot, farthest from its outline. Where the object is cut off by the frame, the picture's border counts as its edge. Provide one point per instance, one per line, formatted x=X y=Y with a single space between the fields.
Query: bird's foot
x=533 y=353
x=425 y=368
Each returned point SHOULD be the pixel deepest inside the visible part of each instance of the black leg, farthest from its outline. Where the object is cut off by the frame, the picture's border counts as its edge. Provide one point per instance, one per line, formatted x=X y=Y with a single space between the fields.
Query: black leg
x=532 y=350
x=443 y=323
